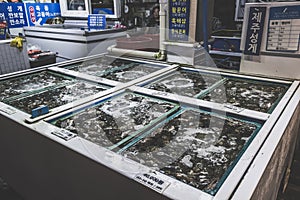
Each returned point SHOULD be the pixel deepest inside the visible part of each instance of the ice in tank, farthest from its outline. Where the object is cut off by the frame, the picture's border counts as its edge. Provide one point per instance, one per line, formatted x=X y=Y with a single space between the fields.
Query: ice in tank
x=185 y=82
x=30 y=83
x=115 y=69
x=55 y=97
x=196 y=147
x=117 y=120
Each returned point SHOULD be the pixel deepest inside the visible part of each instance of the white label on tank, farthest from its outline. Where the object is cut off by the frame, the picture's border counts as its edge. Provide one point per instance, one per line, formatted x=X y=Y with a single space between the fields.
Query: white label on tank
x=8 y=110
x=152 y=180
x=233 y=108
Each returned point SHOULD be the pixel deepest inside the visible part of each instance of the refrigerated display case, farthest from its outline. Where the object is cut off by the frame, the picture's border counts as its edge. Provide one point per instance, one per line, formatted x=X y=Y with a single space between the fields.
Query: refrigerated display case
x=75 y=38
x=170 y=132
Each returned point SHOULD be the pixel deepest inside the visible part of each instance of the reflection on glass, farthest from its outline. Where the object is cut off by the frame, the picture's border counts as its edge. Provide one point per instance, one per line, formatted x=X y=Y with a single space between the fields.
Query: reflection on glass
x=105 y=7
x=76 y=4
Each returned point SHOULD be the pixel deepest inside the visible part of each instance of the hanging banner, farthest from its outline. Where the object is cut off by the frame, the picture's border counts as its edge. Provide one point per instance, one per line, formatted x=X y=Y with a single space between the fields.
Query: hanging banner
x=255 y=28
x=13 y=14
x=38 y=13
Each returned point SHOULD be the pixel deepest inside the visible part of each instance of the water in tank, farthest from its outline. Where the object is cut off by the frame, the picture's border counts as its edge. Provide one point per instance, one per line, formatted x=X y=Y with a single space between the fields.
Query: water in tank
x=246 y=93
x=254 y=95
x=184 y=82
x=55 y=97
x=30 y=83
x=98 y=66
x=115 y=69
x=118 y=119
x=196 y=147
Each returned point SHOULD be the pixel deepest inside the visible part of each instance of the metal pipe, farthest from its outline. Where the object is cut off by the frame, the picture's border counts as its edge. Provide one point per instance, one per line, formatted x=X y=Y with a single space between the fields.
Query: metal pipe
x=161 y=55
x=182 y=44
x=163 y=4
x=129 y=52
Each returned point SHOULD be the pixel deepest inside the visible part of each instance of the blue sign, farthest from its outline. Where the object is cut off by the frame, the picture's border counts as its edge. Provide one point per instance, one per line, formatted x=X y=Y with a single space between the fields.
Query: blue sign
x=285 y=12
x=255 y=30
x=38 y=13
x=283 y=29
x=104 y=11
x=13 y=14
x=96 y=21
x=179 y=11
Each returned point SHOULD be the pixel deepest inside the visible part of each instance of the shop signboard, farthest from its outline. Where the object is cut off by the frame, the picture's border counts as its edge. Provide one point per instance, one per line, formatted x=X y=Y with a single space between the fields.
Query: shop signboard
x=38 y=13
x=256 y=20
x=283 y=29
x=96 y=21
x=14 y=14
x=179 y=11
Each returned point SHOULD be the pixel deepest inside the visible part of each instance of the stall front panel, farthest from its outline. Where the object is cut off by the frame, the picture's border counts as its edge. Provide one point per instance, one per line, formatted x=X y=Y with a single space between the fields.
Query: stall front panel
x=165 y=128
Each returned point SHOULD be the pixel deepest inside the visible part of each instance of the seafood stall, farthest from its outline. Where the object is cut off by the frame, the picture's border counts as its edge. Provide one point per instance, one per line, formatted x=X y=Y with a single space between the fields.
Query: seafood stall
x=112 y=127
x=73 y=38
x=114 y=124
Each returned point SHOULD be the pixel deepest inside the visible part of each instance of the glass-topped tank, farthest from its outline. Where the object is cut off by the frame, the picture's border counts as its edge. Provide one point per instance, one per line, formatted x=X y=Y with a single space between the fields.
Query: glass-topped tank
x=99 y=66
x=195 y=147
x=193 y=143
x=29 y=83
x=254 y=95
x=260 y=96
x=113 y=122
x=115 y=69
x=55 y=97
x=184 y=82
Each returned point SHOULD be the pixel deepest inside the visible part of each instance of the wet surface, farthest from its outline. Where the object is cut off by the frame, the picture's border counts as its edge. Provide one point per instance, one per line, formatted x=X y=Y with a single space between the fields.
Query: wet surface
x=99 y=66
x=131 y=73
x=115 y=69
x=196 y=148
x=55 y=97
x=116 y=119
x=29 y=83
x=258 y=96
x=185 y=83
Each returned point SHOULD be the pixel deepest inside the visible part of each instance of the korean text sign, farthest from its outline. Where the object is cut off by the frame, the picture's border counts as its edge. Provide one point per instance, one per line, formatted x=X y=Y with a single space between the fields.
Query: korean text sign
x=13 y=14
x=255 y=30
x=179 y=11
x=38 y=13
x=96 y=21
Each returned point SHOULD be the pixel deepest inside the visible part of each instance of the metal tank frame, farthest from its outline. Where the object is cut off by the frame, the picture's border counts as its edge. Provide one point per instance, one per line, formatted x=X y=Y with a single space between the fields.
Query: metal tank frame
x=40 y=165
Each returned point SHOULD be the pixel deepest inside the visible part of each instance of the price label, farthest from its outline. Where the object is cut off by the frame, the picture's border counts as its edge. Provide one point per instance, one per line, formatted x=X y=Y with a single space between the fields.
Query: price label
x=152 y=180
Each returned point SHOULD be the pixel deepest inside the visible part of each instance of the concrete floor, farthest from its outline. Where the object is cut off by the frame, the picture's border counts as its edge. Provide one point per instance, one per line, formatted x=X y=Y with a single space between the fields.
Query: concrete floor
x=7 y=193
